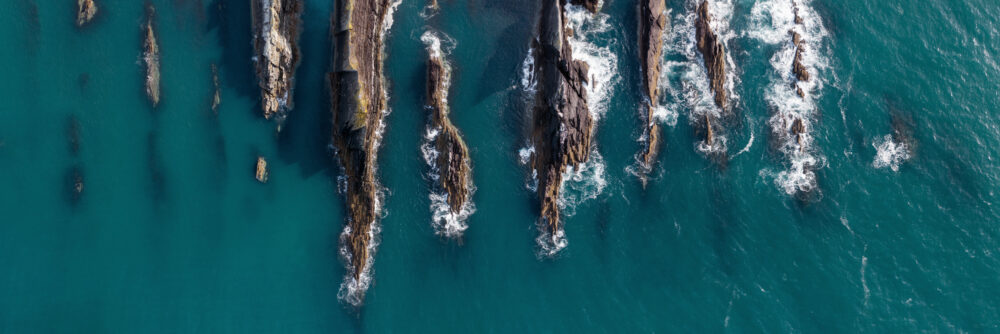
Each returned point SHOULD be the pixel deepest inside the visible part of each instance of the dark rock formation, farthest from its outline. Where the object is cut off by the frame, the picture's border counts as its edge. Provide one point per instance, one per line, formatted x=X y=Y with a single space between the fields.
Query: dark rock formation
x=591 y=5
x=86 y=9
x=358 y=100
x=797 y=130
x=714 y=55
x=561 y=123
x=276 y=25
x=652 y=23
x=801 y=73
x=453 y=156
x=151 y=57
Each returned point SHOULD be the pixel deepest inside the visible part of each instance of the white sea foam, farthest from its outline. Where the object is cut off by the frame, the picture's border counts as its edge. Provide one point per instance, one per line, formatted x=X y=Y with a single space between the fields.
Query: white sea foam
x=661 y=112
x=445 y=220
x=602 y=62
x=529 y=83
x=582 y=183
x=772 y=22
x=352 y=290
x=550 y=244
x=890 y=153
x=692 y=91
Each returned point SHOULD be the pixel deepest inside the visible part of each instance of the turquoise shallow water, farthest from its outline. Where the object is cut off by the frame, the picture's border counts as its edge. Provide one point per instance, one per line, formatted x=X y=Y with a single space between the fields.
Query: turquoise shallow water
x=172 y=234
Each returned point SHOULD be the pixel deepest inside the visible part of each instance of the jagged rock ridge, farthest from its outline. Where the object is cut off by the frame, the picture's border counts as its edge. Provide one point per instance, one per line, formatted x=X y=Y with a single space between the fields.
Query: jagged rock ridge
x=358 y=103
x=652 y=23
x=276 y=25
x=453 y=155
x=561 y=122
x=714 y=55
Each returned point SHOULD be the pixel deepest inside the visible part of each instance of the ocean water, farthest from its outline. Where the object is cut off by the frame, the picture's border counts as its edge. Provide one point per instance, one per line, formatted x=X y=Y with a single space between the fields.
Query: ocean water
x=173 y=234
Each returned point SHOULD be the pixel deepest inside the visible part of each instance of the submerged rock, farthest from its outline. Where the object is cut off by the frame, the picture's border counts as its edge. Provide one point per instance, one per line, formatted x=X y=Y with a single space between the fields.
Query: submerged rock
x=561 y=122
x=652 y=23
x=262 y=173
x=276 y=25
x=217 y=97
x=86 y=9
x=151 y=57
x=592 y=5
x=358 y=103
x=453 y=156
x=714 y=54
x=73 y=132
x=74 y=179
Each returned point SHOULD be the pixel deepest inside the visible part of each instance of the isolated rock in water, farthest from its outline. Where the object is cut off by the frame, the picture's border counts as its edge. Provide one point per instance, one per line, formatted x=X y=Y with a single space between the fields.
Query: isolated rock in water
x=358 y=104
x=262 y=173
x=86 y=9
x=592 y=5
x=76 y=185
x=73 y=132
x=217 y=97
x=453 y=156
x=151 y=57
x=714 y=54
x=561 y=122
x=652 y=23
x=433 y=3
x=276 y=25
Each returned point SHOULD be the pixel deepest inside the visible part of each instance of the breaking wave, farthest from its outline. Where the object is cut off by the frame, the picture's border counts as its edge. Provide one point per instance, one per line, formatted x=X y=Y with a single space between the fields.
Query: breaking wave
x=602 y=62
x=890 y=153
x=773 y=22
x=690 y=90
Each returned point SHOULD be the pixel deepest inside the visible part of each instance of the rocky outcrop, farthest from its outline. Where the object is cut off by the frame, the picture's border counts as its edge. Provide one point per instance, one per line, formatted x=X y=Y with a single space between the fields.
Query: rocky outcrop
x=801 y=73
x=86 y=9
x=652 y=23
x=714 y=54
x=453 y=156
x=561 y=122
x=358 y=103
x=262 y=174
x=151 y=57
x=433 y=3
x=276 y=25
x=592 y=5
